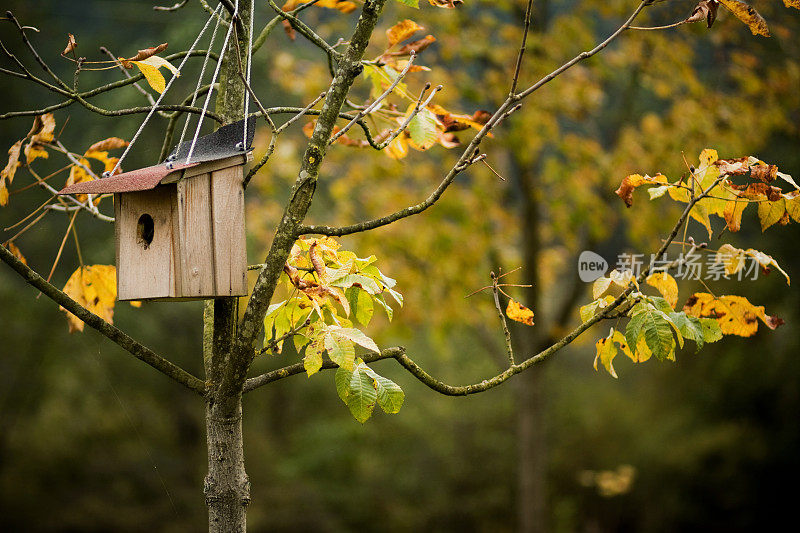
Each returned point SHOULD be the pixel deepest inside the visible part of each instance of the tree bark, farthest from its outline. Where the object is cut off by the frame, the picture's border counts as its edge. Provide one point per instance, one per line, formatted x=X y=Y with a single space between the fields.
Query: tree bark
x=227 y=486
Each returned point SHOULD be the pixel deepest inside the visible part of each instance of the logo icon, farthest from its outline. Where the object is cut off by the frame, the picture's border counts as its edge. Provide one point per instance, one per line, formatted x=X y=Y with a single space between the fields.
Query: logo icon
x=591 y=266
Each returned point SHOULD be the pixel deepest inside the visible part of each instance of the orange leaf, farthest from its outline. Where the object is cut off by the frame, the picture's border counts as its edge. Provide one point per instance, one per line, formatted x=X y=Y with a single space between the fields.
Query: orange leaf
x=108 y=144
x=630 y=183
x=402 y=31
x=520 y=313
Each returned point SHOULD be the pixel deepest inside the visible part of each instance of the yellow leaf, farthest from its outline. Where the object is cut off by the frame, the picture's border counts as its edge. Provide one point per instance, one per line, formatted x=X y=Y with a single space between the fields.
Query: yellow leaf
x=398 y=148
x=3 y=195
x=733 y=214
x=43 y=128
x=642 y=352
x=7 y=174
x=606 y=351
x=735 y=314
x=771 y=212
x=345 y=6
x=34 y=150
x=766 y=261
x=747 y=14
x=402 y=31
x=449 y=4
x=666 y=285
x=14 y=250
x=152 y=75
x=708 y=156
x=793 y=204
x=613 y=285
x=95 y=288
x=78 y=174
x=520 y=313
x=158 y=62
x=733 y=258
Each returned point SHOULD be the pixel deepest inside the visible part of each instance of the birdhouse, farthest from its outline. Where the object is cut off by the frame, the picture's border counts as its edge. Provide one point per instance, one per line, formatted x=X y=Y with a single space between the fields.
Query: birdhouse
x=179 y=225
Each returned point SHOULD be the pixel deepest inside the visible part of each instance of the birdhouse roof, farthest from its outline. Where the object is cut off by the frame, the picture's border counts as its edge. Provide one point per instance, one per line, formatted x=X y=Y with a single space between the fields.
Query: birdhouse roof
x=220 y=149
x=142 y=179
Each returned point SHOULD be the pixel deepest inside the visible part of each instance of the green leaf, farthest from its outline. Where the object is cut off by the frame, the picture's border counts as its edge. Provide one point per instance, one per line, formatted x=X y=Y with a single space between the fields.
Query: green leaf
x=711 y=330
x=390 y=395
x=342 y=379
x=656 y=328
x=689 y=327
x=361 y=305
x=355 y=335
x=363 y=394
x=357 y=280
x=410 y=3
x=380 y=301
x=422 y=129
x=340 y=350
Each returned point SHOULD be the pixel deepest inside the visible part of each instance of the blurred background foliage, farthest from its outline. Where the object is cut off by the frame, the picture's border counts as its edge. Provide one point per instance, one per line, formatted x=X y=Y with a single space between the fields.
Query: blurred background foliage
x=92 y=440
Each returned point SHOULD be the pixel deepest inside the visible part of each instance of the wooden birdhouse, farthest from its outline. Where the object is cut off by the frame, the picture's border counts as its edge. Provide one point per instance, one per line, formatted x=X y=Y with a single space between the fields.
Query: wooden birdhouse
x=180 y=229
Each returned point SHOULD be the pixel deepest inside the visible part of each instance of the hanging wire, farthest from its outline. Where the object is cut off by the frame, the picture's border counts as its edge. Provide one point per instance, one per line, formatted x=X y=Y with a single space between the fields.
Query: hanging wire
x=249 y=70
x=213 y=81
x=158 y=101
x=200 y=78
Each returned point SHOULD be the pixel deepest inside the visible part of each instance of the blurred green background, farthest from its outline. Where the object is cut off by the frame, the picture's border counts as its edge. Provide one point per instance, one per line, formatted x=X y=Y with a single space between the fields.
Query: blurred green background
x=92 y=440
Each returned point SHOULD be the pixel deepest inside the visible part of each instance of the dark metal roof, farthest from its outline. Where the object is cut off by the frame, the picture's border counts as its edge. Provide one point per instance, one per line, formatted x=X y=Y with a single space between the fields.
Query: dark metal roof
x=227 y=141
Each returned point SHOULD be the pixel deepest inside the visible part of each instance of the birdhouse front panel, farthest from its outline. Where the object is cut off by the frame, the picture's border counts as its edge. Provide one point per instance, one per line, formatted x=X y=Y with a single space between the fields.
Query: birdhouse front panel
x=146 y=251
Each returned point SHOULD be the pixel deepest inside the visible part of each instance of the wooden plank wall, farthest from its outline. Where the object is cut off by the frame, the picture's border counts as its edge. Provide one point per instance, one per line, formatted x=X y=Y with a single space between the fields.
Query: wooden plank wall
x=230 y=252
x=195 y=237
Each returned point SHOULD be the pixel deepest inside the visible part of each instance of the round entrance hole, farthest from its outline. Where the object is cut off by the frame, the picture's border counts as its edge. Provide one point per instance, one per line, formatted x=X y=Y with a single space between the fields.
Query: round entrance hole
x=144 y=231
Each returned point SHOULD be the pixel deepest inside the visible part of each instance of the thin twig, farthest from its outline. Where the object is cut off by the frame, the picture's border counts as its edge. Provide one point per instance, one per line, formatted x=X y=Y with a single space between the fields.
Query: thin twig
x=522 y=48
x=364 y=112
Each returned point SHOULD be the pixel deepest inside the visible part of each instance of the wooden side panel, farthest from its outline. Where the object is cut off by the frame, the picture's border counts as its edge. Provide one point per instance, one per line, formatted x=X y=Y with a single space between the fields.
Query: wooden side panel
x=144 y=269
x=195 y=238
x=117 y=222
x=230 y=251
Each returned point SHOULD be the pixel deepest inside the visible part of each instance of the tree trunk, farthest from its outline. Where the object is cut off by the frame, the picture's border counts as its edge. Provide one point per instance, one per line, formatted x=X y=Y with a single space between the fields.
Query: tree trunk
x=227 y=487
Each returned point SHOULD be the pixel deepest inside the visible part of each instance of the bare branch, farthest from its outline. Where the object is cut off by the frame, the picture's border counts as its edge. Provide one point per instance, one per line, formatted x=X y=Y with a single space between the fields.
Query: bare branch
x=116 y=335
x=305 y=31
x=467 y=157
x=371 y=107
x=174 y=7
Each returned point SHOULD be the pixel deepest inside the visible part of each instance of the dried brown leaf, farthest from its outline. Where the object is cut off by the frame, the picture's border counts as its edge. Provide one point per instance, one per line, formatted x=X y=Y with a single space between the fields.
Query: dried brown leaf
x=71 y=44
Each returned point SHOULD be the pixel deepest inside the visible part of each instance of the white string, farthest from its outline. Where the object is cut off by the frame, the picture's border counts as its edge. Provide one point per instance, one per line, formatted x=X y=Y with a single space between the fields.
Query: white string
x=213 y=81
x=155 y=105
x=249 y=69
x=200 y=78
